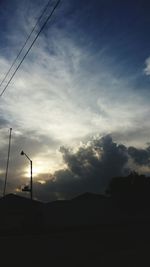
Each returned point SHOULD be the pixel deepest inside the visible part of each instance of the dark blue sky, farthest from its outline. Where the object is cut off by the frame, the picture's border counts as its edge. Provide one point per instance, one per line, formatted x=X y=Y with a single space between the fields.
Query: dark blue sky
x=121 y=27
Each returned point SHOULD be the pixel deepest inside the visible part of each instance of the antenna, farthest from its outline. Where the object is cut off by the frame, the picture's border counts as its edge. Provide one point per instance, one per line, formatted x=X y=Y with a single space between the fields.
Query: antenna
x=7 y=162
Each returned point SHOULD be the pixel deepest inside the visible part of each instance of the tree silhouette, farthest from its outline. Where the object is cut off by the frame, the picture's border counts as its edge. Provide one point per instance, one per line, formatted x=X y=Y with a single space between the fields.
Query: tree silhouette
x=131 y=192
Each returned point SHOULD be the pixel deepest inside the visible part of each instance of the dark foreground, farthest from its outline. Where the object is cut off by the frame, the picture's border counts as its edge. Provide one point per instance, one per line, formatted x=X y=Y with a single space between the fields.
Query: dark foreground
x=91 y=230
x=125 y=244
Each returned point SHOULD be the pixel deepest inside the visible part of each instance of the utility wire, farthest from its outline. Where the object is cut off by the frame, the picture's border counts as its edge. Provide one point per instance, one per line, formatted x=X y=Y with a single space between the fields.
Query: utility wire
x=41 y=29
x=13 y=63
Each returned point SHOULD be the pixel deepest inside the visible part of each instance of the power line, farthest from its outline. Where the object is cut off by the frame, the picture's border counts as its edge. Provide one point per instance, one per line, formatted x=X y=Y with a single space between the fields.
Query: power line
x=26 y=41
x=41 y=29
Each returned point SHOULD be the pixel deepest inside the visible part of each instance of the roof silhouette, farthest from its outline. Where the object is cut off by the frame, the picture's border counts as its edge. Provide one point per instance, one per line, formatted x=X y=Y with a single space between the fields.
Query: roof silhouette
x=89 y=196
x=17 y=202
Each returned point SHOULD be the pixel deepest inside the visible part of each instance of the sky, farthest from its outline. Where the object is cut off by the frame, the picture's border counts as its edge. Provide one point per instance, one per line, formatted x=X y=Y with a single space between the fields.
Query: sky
x=79 y=103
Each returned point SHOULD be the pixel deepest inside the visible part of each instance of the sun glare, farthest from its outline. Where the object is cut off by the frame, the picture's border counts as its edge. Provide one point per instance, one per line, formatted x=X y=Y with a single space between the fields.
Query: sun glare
x=41 y=181
x=36 y=170
x=41 y=167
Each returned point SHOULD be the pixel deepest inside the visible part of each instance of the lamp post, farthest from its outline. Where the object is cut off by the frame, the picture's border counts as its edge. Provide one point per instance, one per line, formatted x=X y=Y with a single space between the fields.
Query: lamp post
x=7 y=163
x=31 y=186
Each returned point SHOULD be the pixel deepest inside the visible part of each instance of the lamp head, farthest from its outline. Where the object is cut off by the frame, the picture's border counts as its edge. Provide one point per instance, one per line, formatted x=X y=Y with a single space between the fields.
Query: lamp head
x=22 y=153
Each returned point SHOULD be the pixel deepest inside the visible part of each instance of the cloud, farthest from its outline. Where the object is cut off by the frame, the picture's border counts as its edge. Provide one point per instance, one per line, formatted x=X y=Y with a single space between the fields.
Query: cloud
x=90 y=168
x=73 y=89
x=147 y=68
x=3 y=122
x=140 y=156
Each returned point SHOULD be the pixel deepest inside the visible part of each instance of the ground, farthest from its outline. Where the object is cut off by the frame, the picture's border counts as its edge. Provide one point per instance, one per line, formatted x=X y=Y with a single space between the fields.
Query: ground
x=124 y=246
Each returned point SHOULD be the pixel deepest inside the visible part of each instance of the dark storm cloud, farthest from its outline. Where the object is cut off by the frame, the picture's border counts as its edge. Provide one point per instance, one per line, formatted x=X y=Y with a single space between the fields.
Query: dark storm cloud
x=140 y=156
x=91 y=168
x=88 y=169
x=102 y=157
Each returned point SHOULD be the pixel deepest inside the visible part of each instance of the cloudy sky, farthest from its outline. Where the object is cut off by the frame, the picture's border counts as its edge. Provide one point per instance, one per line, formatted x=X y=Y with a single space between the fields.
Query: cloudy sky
x=79 y=103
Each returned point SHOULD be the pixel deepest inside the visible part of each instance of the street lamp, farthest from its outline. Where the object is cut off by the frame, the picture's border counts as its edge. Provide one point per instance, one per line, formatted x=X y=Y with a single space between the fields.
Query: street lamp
x=26 y=187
